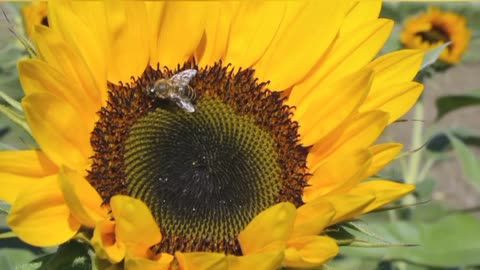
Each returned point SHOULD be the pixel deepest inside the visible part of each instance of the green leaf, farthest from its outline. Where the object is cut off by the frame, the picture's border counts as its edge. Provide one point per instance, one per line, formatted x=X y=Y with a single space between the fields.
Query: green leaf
x=72 y=255
x=450 y=103
x=12 y=102
x=451 y=241
x=15 y=117
x=432 y=55
x=469 y=162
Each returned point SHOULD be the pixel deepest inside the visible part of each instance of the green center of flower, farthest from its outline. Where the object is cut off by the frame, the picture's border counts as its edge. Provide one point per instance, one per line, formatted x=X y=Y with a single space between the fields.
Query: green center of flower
x=202 y=170
x=204 y=174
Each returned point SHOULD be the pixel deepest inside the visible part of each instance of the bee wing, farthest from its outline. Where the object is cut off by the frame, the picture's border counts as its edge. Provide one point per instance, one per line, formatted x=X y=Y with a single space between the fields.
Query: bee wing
x=185 y=104
x=183 y=77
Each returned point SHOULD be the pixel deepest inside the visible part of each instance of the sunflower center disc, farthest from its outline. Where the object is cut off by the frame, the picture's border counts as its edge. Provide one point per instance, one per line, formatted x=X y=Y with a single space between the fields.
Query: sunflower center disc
x=204 y=175
x=202 y=170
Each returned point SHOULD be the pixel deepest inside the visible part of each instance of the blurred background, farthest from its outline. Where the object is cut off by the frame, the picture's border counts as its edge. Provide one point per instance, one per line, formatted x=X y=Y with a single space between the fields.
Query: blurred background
x=437 y=227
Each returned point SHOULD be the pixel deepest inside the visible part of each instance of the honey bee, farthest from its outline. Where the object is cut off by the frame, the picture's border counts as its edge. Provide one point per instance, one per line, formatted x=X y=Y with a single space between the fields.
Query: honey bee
x=176 y=89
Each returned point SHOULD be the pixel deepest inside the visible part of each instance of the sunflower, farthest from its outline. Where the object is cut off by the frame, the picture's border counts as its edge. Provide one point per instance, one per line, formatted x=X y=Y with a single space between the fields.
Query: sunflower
x=435 y=27
x=34 y=13
x=277 y=145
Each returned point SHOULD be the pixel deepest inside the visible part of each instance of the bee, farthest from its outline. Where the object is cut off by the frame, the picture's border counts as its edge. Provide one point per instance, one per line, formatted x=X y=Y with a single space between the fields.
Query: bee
x=176 y=89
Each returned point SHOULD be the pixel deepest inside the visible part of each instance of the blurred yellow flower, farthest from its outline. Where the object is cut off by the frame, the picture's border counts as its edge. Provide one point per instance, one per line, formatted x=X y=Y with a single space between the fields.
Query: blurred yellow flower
x=434 y=27
x=288 y=107
x=34 y=13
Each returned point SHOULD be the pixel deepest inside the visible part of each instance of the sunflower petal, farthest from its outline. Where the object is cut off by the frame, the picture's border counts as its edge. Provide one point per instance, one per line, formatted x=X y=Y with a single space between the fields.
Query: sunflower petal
x=217 y=29
x=57 y=53
x=361 y=12
x=56 y=128
x=13 y=184
x=309 y=251
x=79 y=35
x=82 y=199
x=394 y=99
x=312 y=218
x=137 y=263
x=38 y=76
x=348 y=54
x=27 y=163
x=348 y=206
x=356 y=134
x=180 y=32
x=340 y=172
x=339 y=99
x=105 y=243
x=135 y=225
x=385 y=191
x=275 y=65
x=396 y=67
x=272 y=225
x=39 y=215
x=252 y=31
x=382 y=154
x=201 y=261
x=128 y=48
x=260 y=261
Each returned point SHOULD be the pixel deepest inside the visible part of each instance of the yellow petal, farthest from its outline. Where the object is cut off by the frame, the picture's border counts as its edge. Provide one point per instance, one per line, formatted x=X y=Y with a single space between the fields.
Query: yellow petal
x=271 y=225
x=312 y=218
x=56 y=128
x=348 y=54
x=340 y=172
x=356 y=134
x=82 y=199
x=385 y=191
x=135 y=225
x=13 y=184
x=76 y=31
x=201 y=261
x=137 y=263
x=382 y=154
x=39 y=215
x=396 y=67
x=127 y=29
x=339 y=99
x=361 y=12
x=179 y=33
x=53 y=49
x=348 y=206
x=214 y=42
x=302 y=42
x=27 y=163
x=260 y=261
x=309 y=251
x=255 y=25
x=38 y=76
x=105 y=242
x=395 y=99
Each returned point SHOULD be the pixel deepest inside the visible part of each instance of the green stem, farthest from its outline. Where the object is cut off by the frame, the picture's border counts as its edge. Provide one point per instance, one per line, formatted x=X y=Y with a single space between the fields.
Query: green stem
x=411 y=176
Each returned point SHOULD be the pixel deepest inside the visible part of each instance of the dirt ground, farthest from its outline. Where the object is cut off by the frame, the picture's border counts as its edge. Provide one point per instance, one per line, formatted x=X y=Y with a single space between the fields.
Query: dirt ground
x=452 y=186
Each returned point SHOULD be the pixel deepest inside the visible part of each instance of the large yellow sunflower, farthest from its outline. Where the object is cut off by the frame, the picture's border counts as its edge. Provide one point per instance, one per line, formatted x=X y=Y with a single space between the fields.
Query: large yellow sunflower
x=435 y=27
x=288 y=104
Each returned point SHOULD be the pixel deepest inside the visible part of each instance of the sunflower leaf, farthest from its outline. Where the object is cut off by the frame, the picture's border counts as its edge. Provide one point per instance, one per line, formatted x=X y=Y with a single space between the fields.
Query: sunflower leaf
x=5 y=235
x=450 y=103
x=399 y=206
x=432 y=55
x=12 y=102
x=469 y=162
x=15 y=116
x=359 y=227
x=72 y=255
x=364 y=243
